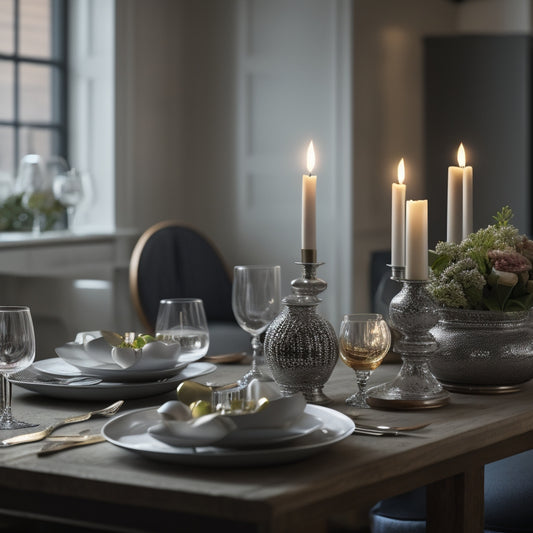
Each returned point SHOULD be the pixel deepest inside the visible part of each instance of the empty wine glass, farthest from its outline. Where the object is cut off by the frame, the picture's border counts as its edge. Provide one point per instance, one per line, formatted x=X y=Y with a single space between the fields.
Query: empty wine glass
x=68 y=191
x=17 y=351
x=256 y=301
x=32 y=183
x=183 y=321
x=364 y=341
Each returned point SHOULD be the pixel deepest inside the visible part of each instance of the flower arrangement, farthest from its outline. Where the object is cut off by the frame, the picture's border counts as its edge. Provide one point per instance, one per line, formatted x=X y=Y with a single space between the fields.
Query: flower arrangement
x=490 y=269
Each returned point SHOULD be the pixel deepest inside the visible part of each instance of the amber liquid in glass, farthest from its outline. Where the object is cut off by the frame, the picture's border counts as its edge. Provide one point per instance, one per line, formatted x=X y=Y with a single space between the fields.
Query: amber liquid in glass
x=360 y=358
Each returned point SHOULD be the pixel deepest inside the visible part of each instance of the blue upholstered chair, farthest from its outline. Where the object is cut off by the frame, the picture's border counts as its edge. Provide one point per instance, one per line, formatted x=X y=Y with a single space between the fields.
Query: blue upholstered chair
x=171 y=260
x=508 y=501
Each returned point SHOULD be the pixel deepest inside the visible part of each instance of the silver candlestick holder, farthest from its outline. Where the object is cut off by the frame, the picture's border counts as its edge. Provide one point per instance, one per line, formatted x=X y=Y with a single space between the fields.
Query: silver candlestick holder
x=412 y=313
x=301 y=347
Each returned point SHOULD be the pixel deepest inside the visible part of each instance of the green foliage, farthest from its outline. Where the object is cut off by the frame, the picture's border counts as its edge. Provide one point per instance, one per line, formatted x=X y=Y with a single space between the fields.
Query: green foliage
x=463 y=275
x=15 y=217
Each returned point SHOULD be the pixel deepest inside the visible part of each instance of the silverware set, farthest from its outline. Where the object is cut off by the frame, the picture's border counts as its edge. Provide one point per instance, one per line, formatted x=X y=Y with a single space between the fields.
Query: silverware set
x=43 y=433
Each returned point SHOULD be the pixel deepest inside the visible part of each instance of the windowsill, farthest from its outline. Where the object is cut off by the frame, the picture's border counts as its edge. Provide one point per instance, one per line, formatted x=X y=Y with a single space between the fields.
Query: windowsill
x=27 y=238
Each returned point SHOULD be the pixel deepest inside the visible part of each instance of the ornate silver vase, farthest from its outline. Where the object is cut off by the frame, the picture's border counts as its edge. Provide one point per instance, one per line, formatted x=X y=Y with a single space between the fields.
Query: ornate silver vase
x=413 y=314
x=483 y=351
x=300 y=346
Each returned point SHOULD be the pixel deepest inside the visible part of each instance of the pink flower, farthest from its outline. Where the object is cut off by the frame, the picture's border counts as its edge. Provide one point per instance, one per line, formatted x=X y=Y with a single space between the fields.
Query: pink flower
x=509 y=261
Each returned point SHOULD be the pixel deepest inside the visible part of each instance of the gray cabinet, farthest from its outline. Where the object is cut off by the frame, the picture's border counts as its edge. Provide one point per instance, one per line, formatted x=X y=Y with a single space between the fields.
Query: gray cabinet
x=478 y=91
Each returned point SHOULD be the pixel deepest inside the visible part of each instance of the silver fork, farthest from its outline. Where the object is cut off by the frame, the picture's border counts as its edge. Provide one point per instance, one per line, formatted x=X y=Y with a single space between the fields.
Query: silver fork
x=42 y=434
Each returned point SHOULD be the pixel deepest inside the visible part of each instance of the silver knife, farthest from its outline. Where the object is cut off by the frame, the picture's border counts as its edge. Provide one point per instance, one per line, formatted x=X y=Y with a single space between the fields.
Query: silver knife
x=59 y=445
x=378 y=432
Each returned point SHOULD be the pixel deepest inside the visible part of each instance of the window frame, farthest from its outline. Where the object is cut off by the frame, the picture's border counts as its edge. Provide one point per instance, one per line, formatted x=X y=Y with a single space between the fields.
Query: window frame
x=59 y=83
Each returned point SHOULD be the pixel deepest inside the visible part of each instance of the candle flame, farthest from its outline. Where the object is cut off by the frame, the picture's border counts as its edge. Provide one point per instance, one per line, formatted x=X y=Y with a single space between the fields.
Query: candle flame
x=461 y=156
x=310 y=157
x=401 y=171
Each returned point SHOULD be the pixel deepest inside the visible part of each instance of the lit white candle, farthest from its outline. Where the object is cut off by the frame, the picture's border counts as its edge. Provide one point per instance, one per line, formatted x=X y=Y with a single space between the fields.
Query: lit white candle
x=454 y=231
x=468 y=193
x=309 y=205
x=398 y=219
x=416 y=241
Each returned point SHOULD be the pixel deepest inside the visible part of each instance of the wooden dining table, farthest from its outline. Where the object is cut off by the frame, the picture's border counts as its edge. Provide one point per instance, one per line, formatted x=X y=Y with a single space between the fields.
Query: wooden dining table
x=105 y=486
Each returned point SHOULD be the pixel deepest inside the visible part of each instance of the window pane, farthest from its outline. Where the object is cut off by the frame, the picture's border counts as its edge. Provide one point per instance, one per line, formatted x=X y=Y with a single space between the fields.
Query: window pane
x=7 y=163
x=6 y=27
x=35 y=28
x=35 y=92
x=6 y=90
x=40 y=141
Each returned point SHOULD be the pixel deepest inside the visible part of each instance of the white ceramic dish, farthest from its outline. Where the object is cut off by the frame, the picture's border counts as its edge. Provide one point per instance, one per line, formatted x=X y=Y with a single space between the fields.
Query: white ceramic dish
x=110 y=391
x=111 y=372
x=95 y=357
x=246 y=438
x=130 y=431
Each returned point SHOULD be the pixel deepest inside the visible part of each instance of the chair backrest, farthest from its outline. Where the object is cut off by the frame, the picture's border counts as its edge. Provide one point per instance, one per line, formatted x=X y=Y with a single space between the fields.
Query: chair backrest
x=171 y=260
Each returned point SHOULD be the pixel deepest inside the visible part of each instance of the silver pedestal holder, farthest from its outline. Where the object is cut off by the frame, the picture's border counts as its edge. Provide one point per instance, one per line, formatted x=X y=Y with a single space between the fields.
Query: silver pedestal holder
x=300 y=346
x=412 y=313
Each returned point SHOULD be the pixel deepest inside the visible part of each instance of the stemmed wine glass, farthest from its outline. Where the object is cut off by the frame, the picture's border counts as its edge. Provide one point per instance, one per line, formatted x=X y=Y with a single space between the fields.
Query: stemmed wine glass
x=256 y=301
x=364 y=341
x=17 y=351
x=68 y=191
x=32 y=182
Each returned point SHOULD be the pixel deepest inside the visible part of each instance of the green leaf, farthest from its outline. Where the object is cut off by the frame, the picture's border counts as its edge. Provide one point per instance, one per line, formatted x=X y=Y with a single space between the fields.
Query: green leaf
x=492 y=304
x=438 y=262
x=503 y=293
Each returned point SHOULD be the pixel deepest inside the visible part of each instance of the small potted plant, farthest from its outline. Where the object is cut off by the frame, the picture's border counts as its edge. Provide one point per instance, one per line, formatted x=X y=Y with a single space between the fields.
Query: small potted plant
x=484 y=289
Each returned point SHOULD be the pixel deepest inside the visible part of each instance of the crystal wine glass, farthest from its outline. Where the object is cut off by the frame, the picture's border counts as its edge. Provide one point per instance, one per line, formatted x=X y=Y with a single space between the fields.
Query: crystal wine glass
x=256 y=301
x=17 y=351
x=183 y=321
x=32 y=182
x=68 y=191
x=364 y=341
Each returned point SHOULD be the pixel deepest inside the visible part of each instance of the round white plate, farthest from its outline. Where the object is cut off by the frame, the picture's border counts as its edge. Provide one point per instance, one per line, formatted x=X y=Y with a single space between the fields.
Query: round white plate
x=130 y=431
x=110 y=371
x=109 y=391
x=246 y=438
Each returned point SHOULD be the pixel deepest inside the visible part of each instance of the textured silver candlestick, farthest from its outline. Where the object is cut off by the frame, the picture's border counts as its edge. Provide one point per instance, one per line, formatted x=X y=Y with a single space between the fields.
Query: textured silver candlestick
x=301 y=347
x=412 y=313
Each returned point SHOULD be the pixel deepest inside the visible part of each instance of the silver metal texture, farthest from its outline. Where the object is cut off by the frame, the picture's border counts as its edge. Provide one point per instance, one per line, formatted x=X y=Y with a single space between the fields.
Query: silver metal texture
x=301 y=347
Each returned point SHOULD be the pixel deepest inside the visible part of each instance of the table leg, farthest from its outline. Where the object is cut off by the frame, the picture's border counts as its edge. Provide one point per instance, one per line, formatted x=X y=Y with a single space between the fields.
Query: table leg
x=457 y=503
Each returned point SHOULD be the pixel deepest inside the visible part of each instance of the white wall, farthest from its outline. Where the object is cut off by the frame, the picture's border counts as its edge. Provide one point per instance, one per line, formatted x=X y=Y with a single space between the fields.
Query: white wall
x=177 y=105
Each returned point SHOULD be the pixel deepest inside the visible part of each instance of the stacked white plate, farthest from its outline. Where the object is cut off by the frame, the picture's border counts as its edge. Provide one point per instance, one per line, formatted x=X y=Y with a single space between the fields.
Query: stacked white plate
x=160 y=369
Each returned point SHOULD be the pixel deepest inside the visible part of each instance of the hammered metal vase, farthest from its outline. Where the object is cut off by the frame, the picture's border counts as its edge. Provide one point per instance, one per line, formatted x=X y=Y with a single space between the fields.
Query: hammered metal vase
x=301 y=347
x=483 y=351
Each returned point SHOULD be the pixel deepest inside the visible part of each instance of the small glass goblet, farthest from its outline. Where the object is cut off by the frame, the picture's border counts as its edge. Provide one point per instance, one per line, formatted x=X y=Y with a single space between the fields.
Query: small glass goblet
x=183 y=321
x=68 y=191
x=364 y=341
x=17 y=352
x=32 y=183
x=256 y=301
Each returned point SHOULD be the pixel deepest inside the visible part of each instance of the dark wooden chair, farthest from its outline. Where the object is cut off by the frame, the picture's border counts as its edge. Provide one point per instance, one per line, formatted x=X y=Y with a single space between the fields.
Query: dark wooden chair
x=171 y=260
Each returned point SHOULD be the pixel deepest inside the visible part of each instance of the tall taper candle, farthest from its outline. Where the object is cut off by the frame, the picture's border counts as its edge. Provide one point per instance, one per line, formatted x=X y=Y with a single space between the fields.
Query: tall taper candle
x=416 y=241
x=309 y=209
x=454 y=226
x=398 y=219
x=468 y=192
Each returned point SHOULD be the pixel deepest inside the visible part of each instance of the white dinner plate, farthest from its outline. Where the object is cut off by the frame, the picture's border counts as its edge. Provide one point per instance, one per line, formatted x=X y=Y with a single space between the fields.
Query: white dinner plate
x=77 y=358
x=130 y=431
x=246 y=438
x=109 y=391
